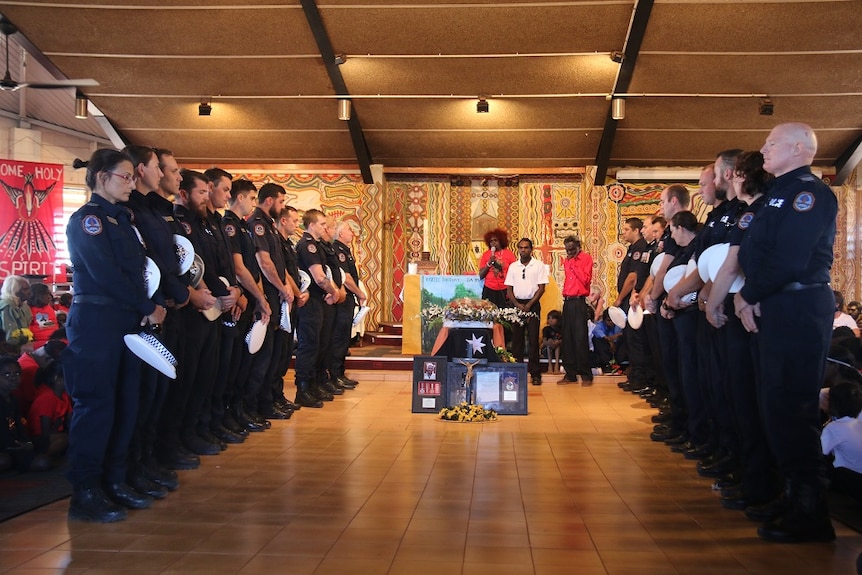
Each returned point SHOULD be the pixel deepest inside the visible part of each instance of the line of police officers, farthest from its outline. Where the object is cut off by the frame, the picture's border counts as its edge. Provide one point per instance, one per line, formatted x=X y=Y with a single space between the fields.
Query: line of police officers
x=132 y=426
x=738 y=387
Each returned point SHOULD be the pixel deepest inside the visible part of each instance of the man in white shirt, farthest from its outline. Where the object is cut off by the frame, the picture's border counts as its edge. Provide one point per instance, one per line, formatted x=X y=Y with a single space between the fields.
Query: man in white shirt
x=525 y=284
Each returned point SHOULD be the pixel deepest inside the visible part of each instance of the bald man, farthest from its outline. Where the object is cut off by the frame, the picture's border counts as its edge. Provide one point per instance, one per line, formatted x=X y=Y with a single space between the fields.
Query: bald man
x=787 y=303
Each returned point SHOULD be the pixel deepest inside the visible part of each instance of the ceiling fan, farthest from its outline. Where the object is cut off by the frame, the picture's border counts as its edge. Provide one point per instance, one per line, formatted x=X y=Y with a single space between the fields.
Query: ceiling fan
x=7 y=84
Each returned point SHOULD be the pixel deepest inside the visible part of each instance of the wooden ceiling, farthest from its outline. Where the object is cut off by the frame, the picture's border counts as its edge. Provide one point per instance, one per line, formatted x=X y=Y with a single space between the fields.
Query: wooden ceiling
x=693 y=77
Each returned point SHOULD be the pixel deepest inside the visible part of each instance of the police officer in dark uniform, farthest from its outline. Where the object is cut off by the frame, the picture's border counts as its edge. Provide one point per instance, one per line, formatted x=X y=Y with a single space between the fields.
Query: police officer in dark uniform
x=345 y=310
x=788 y=304
x=148 y=207
x=324 y=355
x=634 y=271
x=102 y=375
x=202 y=339
x=243 y=201
x=270 y=259
x=322 y=292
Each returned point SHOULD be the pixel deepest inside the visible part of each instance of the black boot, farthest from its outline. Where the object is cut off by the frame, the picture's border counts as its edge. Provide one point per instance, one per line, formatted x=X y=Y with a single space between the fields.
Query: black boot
x=332 y=388
x=93 y=505
x=143 y=485
x=806 y=517
x=320 y=393
x=123 y=494
x=304 y=397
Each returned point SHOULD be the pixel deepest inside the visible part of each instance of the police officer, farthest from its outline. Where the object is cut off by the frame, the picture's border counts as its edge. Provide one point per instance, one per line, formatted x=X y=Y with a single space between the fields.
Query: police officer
x=322 y=292
x=788 y=304
x=344 y=311
x=634 y=272
x=243 y=199
x=270 y=259
x=325 y=347
x=102 y=375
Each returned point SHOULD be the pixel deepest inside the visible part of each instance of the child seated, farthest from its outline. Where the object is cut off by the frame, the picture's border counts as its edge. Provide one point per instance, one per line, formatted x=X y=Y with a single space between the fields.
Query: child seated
x=842 y=438
x=51 y=411
x=605 y=337
x=16 y=449
x=552 y=338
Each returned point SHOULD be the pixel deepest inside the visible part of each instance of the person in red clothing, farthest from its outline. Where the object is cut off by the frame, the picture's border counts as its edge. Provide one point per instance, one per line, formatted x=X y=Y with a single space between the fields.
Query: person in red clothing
x=51 y=412
x=30 y=362
x=578 y=266
x=44 y=321
x=493 y=266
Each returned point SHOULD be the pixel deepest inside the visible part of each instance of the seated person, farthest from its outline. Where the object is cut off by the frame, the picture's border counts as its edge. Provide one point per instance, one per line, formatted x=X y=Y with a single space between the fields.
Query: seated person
x=30 y=362
x=64 y=301
x=16 y=449
x=842 y=438
x=606 y=338
x=44 y=316
x=552 y=339
x=51 y=412
x=841 y=319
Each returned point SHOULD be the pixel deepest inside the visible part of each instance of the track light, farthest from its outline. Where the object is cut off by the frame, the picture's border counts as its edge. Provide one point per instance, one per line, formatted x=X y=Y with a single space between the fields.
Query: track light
x=205 y=109
x=618 y=109
x=340 y=59
x=618 y=56
x=482 y=106
x=80 y=106
x=344 y=110
x=767 y=108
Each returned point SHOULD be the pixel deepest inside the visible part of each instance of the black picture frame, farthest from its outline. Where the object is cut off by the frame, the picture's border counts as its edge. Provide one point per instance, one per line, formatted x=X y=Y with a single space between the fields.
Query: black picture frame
x=498 y=386
x=429 y=383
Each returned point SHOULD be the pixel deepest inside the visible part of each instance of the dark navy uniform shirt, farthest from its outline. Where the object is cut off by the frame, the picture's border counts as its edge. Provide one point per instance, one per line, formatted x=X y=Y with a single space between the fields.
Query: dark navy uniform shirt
x=791 y=238
x=202 y=238
x=332 y=262
x=223 y=255
x=239 y=241
x=347 y=263
x=744 y=221
x=290 y=261
x=158 y=228
x=719 y=222
x=107 y=255
x=637 y=260
x=266 y=239
x=308 y=253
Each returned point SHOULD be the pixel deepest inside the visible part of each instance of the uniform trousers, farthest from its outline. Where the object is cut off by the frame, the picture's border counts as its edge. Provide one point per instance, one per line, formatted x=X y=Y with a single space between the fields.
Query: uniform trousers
x=308 y=331
x=575 y=348
x=531 y=331
x=199 y=368
x=280 y=359
x=177 y=395
x=652 y=353
x=711 y=364
x=103 y=378
x=794 y=331
x=236 y=374
x=685 y=326
x=324 y=344
x=759 y=477
x=639 y=368
x=666 y=329
x=227 y=338
x=341 y=328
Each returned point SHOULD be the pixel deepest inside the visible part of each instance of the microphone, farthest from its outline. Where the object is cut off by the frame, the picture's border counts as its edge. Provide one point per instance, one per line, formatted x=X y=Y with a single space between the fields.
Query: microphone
x=493 y=249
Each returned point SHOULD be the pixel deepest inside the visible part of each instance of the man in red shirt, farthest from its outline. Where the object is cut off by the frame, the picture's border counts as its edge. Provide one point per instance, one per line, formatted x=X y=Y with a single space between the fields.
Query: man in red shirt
x=578 y=266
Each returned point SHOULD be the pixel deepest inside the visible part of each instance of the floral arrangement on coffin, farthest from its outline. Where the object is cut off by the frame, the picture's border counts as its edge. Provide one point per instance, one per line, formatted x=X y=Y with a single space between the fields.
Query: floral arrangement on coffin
x=467 y=412
x=504 y=355
x=470 y=309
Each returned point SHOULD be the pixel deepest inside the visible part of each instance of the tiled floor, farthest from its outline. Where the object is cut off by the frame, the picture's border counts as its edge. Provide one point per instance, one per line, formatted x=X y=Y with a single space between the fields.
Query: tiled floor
x=364 y=487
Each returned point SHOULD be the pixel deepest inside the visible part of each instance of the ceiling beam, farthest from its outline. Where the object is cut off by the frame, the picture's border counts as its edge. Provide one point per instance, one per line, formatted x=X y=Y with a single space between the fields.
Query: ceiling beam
x=324 y=45
x=847 y=162
x=637 y=30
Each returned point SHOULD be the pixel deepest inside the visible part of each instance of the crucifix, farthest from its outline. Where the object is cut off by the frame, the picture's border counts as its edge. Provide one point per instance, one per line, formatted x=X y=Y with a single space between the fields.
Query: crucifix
x=468 y=377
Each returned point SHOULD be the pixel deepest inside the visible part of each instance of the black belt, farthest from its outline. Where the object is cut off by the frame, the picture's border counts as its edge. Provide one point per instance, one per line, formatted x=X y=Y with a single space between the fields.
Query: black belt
x=571 y=297
x=94 y=299
x=797 y=286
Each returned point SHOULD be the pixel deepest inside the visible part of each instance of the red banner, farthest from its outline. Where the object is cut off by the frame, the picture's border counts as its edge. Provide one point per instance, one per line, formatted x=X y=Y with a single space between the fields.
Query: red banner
x=31 y=203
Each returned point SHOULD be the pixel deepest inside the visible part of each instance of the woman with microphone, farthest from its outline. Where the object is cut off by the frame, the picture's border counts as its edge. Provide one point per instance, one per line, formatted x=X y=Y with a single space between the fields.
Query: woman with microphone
x=101 y=374
x=493 y=266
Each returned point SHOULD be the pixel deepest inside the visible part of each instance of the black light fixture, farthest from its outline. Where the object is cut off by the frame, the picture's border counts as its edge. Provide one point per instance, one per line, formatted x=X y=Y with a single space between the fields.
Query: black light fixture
x=340 y=59
x=618 y=56
x=344 y=110
x=81 y=106
x=205 y=109
x=767 y=108
x=482 y=106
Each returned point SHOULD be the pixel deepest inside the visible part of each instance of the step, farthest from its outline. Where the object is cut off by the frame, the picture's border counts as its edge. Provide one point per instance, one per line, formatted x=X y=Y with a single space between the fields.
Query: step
x=379 y=338
x=404 y=363
x=390 y=327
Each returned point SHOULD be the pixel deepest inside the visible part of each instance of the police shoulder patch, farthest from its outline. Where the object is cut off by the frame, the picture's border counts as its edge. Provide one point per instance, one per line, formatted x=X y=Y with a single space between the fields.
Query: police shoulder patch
x=230 y=230
x=342 y=257
x=803 y=201
x=636 y=255
x=312 y=248
x=259 y=229
x=187 y=228
x=745 y=220
x=92 y=225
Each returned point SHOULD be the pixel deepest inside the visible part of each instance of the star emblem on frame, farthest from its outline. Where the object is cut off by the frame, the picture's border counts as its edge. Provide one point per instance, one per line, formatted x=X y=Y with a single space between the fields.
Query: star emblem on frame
x=477 y=344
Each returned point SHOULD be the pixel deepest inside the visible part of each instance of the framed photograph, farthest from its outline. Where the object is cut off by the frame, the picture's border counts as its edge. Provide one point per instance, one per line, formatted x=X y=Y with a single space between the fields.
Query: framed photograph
x=498 y=386
x=429 y=384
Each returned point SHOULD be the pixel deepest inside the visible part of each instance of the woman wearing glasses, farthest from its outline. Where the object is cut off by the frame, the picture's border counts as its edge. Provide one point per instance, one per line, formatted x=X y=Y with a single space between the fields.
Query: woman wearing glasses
x=102 y=375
